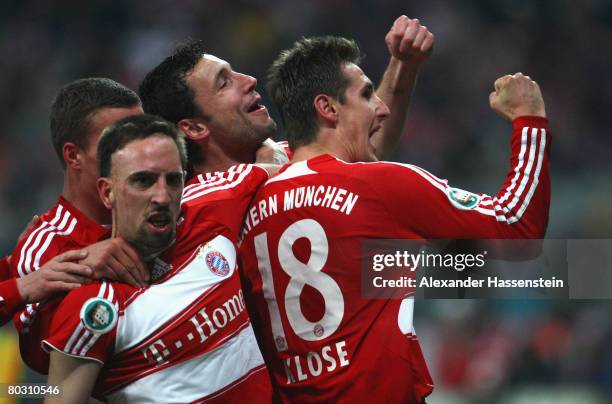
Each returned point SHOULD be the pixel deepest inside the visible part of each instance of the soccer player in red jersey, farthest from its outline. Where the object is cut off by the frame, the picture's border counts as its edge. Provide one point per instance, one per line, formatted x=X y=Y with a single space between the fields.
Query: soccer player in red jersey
x=79 y=113
x=187 y=336
x=301 y=253
x=222 y=116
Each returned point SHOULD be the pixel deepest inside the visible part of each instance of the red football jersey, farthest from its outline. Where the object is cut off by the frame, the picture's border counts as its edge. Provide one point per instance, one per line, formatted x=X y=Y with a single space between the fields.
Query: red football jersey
x=62 y=228
x=187 y=337
x=301 y=262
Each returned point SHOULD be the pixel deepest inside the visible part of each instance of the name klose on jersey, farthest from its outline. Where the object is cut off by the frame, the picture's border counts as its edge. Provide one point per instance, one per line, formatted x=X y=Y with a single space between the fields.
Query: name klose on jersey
x=324 y=196
x=315 y=363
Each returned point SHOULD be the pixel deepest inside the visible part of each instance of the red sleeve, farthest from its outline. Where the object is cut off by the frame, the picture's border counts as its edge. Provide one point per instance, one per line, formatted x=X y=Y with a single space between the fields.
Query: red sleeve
x=435 y=210
x=84 y=324
x=225 y=196
x=10 y=300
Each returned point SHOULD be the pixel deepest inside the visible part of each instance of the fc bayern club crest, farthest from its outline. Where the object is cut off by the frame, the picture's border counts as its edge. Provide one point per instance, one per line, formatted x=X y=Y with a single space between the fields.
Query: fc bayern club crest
x=217 y=263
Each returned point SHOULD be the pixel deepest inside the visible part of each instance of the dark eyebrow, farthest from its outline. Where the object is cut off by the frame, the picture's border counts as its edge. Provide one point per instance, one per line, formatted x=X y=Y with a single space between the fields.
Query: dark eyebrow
x=140 y=174
x=146 y=173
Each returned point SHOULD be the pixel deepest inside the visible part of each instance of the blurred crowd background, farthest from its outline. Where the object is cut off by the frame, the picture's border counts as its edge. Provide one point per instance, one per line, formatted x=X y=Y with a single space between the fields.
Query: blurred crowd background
x=479 y=351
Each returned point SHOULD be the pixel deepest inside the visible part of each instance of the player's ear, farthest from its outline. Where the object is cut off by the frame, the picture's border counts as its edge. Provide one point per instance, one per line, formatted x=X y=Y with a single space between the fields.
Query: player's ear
x=72 y=155
x=105 y=192
x=326 y=107
x=194 y=129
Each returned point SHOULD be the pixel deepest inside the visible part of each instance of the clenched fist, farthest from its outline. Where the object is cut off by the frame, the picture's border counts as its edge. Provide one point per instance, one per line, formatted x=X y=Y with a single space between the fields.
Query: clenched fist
x=409 y=41
x=517 y=95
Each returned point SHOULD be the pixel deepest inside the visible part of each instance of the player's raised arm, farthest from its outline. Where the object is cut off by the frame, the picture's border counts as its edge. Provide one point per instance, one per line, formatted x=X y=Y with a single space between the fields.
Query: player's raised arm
x=409 y=44
x=519 y=210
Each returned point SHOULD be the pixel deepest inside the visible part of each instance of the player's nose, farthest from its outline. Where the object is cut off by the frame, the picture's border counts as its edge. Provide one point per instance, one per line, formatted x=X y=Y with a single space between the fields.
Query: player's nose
x=250 y=82
x=162 y=193
x=382 y=110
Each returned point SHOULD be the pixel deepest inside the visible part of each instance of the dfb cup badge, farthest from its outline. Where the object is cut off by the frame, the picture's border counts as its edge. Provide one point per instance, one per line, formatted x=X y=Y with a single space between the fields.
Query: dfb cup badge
x=98 y=315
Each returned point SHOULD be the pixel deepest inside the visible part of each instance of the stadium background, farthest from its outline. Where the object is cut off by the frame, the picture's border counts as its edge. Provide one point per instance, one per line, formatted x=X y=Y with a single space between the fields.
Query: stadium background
x=510 y=351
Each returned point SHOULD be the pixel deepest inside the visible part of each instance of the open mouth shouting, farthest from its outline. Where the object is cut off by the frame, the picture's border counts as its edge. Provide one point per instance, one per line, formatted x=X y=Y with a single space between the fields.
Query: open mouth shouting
x=159 y=222
x=255 y=107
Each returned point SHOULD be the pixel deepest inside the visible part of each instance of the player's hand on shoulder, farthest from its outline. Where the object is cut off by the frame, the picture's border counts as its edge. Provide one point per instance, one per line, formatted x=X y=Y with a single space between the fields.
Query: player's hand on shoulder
x=116 y=259
x=271 y=152
x=409 y=41
x=60 y=274
x=517 y=95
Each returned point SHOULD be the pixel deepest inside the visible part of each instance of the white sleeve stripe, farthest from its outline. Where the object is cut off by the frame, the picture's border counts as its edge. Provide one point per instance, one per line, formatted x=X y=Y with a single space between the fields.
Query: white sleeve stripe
x=491 y=206
x=435 y=181
x=508 y=214
x=190 y=189
x=48 y=242
x=219 y=188
x=517 y=169
x=33 y=234
x=26 y=315
x=111 y=293
x=216 y=178
x=28 y=267
x=77 y=331
x=536 y=179
x=26 y=246
x=528 y=170
x=47 y=345
x=92 y=341
x=210 y=183
x=423 y=173
x=440 y=181
x=86 y=334
x=102 y=289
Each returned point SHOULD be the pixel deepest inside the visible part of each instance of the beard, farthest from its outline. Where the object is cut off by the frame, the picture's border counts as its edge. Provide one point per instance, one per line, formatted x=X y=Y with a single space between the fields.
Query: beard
x=149 y=245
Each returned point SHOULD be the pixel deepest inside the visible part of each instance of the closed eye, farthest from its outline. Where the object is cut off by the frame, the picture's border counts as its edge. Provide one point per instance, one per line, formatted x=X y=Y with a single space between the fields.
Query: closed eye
x=367 y=91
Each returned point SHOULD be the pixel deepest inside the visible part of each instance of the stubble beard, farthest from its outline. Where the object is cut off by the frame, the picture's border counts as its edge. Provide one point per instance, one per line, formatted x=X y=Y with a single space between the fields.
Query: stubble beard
x=150 y=245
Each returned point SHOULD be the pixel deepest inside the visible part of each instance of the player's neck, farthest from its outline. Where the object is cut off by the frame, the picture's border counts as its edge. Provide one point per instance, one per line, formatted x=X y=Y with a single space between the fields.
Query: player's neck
x=217 y=159
x=318 y=147
x=88 y=203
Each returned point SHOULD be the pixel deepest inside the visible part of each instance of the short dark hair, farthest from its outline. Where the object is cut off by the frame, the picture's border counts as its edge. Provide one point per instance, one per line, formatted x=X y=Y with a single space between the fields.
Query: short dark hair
x=312 y=66
x=75 y=104
x=164 y=90
x=125 y=131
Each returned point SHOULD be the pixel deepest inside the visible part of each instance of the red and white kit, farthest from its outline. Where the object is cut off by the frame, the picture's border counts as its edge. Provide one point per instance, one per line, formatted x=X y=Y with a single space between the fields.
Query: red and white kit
x=188 y=336
x=302 y=258
x=62 y=228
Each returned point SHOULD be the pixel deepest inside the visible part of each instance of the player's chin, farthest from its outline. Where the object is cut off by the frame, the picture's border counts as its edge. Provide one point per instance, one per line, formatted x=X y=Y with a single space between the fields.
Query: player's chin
x=158 y=239
x=265 y=131
x=371 y=152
